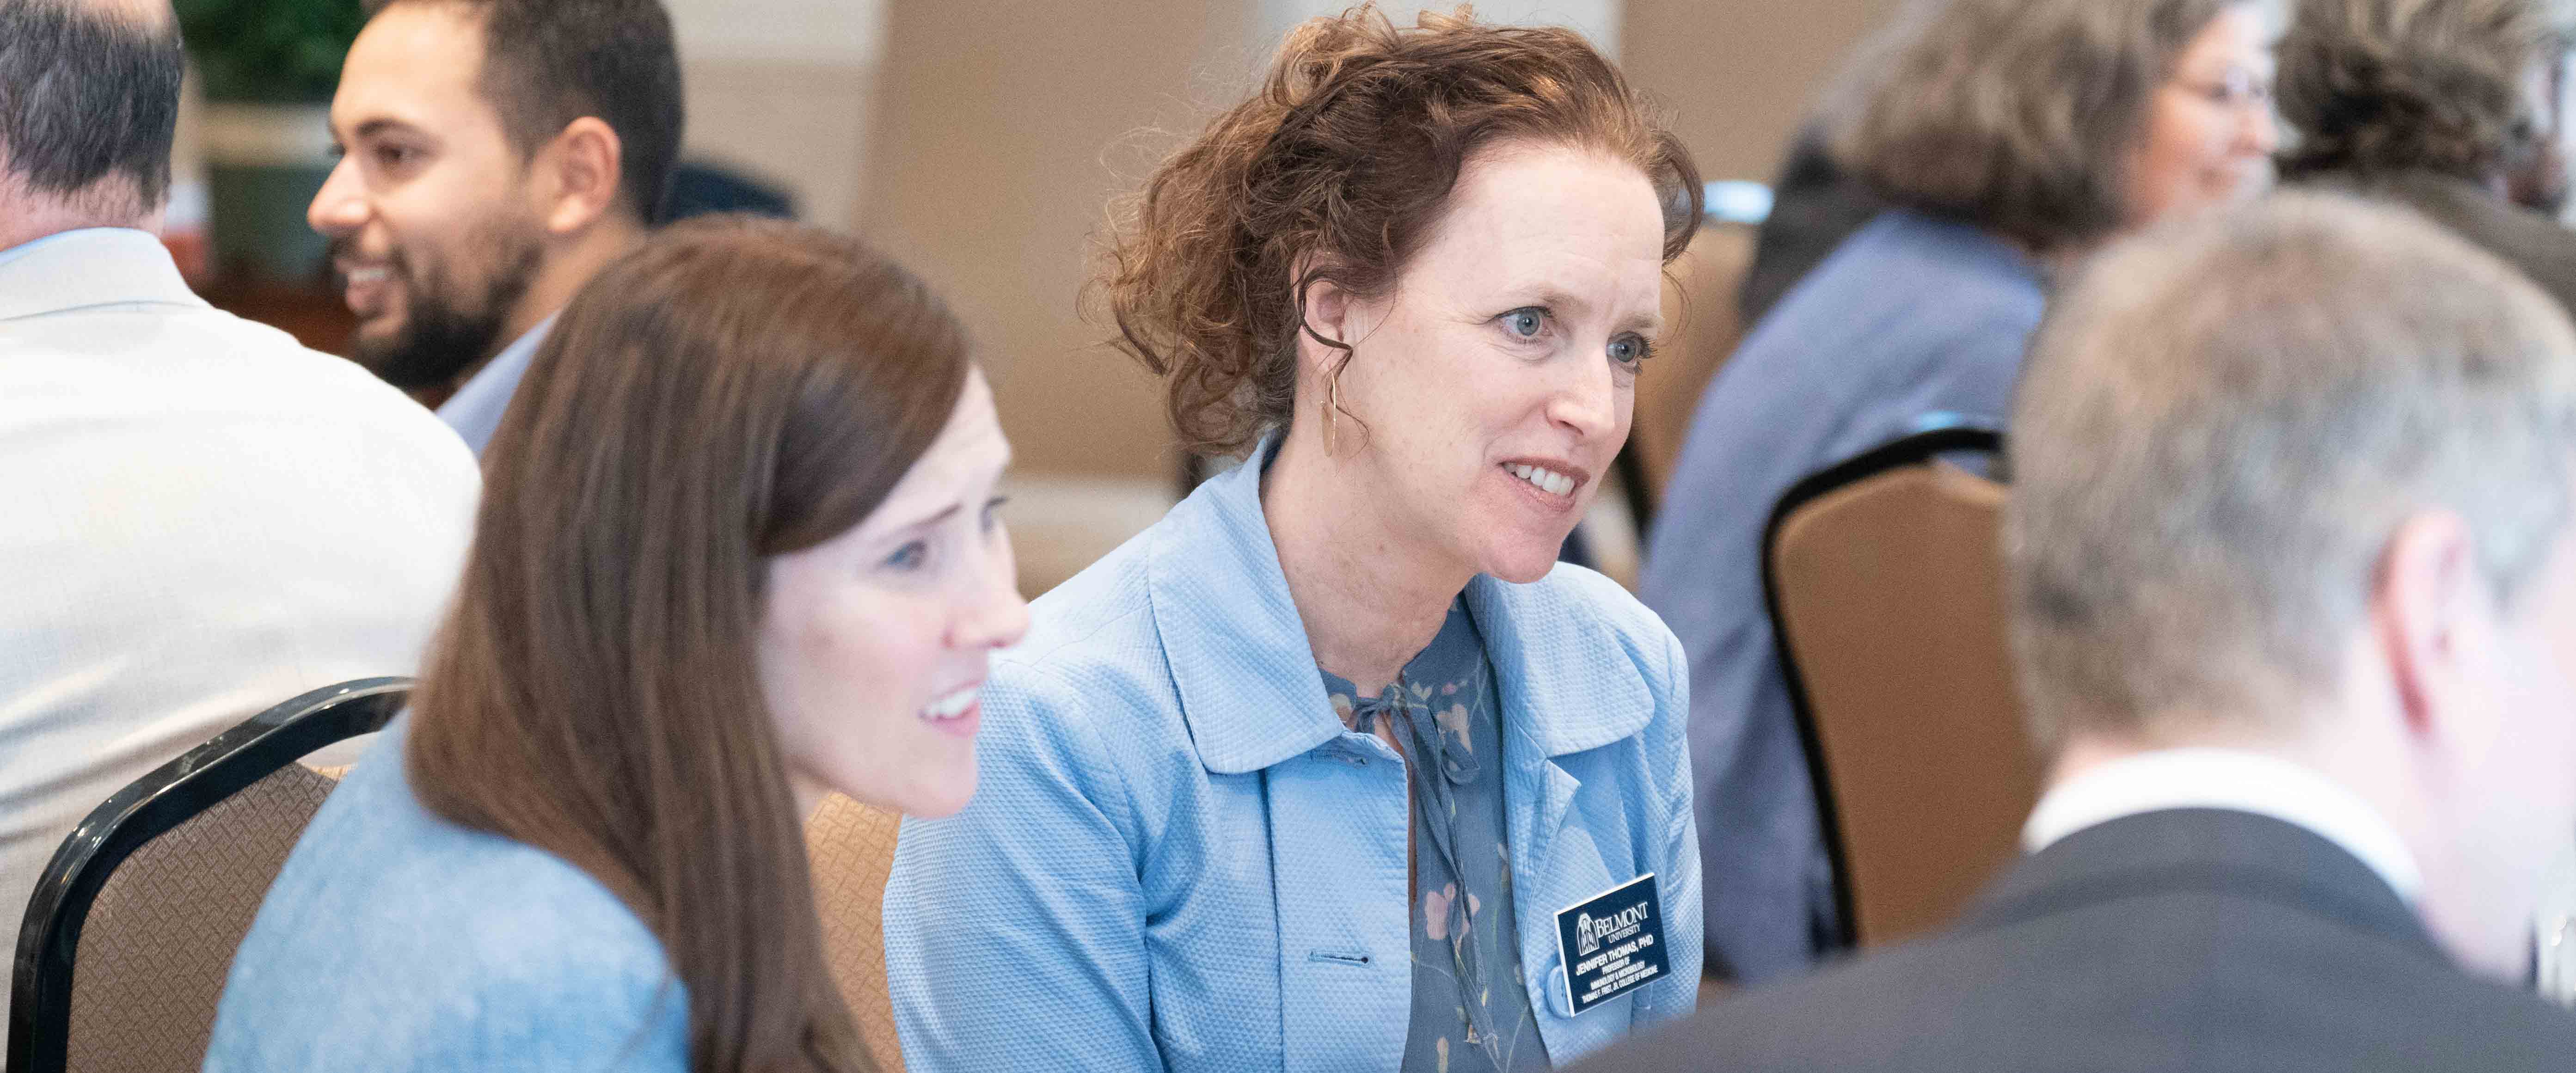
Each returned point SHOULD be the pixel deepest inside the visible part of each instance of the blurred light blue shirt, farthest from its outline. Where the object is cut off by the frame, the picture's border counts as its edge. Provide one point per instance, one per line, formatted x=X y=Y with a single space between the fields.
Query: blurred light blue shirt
x=1179 y=859
x=1911 y=317
x=476 y=408
x=394 y=940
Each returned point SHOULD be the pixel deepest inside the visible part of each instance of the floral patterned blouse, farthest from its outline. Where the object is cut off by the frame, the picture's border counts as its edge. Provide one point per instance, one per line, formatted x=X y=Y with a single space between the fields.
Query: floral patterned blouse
x=1470 y=1013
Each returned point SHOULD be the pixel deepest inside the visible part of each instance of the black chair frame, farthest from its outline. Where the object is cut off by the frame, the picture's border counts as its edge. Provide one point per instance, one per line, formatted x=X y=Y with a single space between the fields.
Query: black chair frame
x=1642 y=500
x=40 y=1005
x=1914 y=450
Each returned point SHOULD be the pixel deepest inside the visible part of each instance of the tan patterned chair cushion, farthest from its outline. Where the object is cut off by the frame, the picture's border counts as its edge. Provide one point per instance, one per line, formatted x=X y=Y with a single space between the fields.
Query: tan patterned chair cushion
x=852 y=847
x=1891 y=591
x=159 y=941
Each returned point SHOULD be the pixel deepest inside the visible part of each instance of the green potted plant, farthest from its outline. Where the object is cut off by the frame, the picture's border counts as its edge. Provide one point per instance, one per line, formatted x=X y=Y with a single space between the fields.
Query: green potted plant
x=267 y=69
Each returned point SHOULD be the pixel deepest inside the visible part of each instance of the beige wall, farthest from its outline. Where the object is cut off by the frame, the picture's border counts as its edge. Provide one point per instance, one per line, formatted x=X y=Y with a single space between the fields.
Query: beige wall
x=1739 y=74
x=799 y=125
x=1003 y=129
x=1595 y=19
x=781 y=90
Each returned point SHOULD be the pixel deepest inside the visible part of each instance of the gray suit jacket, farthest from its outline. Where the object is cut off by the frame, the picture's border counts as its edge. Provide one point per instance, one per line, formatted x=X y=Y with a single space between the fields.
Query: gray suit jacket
x=2186 y=940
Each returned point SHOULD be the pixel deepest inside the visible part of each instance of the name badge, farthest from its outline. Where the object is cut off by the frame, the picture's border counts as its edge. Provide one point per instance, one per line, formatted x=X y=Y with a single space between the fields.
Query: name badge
x=1612 y=944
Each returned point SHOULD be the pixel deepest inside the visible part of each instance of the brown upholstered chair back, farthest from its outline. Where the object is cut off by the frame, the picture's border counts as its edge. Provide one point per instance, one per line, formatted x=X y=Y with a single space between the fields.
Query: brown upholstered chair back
x=160 y=938
x=133 y=925
x=1887 y=592
x=1700 y=305
x=852 y=849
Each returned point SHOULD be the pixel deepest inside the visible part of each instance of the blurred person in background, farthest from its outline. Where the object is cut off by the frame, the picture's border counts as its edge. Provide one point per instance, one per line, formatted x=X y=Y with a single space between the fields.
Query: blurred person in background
x=2454 y=108
x=1815 y=206
x=2536 y=175
x=495 y=155
x=742 y=551
x=2293 y=607
x=198 y=518
x=2009 y=137
x=1301 y=776
x=2446 y=106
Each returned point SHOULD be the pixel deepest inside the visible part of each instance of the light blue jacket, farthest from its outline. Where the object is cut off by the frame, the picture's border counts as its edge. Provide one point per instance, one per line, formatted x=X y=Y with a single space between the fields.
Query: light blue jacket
x=1178 y=858
x=395 y=940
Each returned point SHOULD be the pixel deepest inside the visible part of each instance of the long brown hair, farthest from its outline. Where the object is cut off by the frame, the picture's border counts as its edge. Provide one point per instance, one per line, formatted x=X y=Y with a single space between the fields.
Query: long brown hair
x=733 y=391
x=1347 y=155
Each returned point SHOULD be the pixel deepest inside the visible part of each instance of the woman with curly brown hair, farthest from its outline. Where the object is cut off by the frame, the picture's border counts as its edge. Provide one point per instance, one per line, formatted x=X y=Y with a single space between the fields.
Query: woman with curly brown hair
x=1302 y=777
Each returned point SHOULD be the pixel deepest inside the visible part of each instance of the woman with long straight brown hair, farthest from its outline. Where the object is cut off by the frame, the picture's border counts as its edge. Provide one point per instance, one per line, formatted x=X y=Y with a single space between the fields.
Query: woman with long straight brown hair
x=737 y=549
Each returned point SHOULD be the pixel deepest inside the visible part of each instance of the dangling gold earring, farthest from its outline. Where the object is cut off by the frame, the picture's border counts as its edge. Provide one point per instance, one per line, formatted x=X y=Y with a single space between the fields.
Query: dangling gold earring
x=1332 y=411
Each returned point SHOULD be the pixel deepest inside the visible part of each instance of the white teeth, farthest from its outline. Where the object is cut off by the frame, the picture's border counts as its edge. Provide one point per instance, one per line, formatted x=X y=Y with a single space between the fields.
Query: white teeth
x=952 y=705
x=1545 y=480
x=366 y=275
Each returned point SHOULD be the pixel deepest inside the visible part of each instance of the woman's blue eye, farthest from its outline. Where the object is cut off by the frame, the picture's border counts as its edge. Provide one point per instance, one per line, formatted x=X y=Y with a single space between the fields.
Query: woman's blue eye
x=909 y=556
x=1631 y=349
x=993 y=512
x=1525 y=322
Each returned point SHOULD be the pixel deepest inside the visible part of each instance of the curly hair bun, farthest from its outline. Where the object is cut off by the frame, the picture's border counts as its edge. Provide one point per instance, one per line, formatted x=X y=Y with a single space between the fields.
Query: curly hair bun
x=1343 y=161
x=2382 y=86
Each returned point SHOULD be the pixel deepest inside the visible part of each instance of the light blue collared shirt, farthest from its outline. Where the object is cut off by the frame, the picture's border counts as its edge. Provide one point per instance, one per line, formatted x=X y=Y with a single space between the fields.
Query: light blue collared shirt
x=78 y=234
x=1180 y=859
x=476 y=408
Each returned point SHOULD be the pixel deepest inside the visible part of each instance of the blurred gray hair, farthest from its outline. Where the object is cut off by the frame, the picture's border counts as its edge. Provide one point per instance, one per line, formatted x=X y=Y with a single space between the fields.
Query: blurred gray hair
x=2018 y=116
x=89 y=102
x=2374 y=86
x=2222 y=424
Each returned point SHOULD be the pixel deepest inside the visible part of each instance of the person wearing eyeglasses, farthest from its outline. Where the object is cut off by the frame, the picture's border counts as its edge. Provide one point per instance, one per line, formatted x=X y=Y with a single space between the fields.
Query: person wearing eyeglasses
x=2290 y=563
x=2008 y=138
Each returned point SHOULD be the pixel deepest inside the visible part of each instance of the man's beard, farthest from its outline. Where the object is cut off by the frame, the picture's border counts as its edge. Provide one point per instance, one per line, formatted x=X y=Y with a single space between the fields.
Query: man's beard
x=442 y=333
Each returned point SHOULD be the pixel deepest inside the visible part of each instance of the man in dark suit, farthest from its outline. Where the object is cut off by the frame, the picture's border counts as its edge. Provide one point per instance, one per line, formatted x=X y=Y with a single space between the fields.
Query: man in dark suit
x=2450 y=108
x=2293 y=603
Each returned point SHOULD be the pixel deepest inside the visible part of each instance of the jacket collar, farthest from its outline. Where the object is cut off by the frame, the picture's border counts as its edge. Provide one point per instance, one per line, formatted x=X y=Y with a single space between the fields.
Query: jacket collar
x=2241 y=853
x=1246 y=674
x=94 y=266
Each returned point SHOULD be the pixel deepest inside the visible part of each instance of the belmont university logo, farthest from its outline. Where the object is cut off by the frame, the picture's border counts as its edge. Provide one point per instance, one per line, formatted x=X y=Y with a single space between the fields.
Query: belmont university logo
x=1589 y=929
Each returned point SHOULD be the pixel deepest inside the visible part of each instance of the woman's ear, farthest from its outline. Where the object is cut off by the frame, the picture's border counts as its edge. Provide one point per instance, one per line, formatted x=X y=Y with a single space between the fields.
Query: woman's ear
x=1328 y=308
x=1324 y=313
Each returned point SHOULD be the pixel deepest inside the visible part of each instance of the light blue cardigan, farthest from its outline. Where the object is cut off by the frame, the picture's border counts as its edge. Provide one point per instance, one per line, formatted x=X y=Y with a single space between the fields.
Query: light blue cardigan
x=1179 y=860
x=397 y=940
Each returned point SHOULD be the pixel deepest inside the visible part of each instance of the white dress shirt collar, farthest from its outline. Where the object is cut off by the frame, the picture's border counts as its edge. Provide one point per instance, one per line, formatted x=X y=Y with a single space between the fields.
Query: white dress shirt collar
x=88 y=267
x=2226 y=779
x=476 y=408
